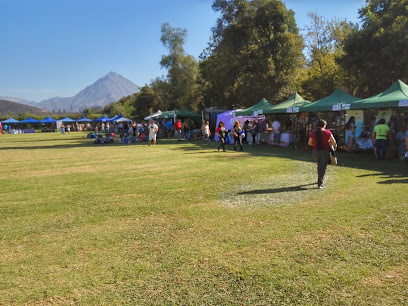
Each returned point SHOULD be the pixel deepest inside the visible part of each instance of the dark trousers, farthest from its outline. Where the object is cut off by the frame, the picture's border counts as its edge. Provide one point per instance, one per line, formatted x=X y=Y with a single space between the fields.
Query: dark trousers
x=222 y=144
x=253 y=139
x=381 y=148
x=238 y=140
x=321 y=157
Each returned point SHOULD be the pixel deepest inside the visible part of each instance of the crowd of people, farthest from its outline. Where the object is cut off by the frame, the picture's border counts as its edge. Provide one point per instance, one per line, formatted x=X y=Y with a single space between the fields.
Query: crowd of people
x=145 y=131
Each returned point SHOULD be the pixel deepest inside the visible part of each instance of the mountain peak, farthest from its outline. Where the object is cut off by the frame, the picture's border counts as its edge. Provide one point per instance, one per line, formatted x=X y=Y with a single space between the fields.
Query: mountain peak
x=105 y=90
x=112 y=74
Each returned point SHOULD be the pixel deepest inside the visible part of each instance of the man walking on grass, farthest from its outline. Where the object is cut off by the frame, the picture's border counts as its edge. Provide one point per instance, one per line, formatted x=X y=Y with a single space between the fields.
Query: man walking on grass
x=153 y=129
x=177 y=127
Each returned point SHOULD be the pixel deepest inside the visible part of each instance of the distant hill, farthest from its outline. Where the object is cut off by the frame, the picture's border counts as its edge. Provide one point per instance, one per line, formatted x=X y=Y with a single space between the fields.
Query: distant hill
x=107 y=89
x=19 y=100
x=17 y=108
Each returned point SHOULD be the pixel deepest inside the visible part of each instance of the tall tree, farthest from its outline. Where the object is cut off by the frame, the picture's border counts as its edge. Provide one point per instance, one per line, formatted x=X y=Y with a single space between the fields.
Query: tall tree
x=253 y=54
x=183 y=90
x=146 y=102
x=376 y=56
x=324 y=45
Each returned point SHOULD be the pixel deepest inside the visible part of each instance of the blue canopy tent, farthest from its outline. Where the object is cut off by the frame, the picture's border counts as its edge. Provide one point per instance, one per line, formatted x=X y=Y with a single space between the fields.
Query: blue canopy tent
x=102 y=119
x=84 y=119
x=30 y=120
x=48 y=120
x=11 y=120
x=115 y=118
x=67 y=119
x=123 y=119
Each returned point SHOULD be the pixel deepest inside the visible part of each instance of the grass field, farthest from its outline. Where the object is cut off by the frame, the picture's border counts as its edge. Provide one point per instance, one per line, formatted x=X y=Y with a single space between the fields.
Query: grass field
x=185 y=224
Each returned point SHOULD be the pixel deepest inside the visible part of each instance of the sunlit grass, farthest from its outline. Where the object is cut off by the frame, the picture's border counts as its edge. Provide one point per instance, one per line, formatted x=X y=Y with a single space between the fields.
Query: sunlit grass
x=185 y=224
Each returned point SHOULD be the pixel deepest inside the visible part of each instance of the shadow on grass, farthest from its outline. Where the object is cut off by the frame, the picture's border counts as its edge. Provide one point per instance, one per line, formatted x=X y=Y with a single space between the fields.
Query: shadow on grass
x=278 y=190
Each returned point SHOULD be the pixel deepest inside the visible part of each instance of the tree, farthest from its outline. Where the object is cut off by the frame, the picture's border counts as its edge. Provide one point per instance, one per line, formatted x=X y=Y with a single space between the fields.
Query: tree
x=183 y=90
x=146 y=102
x=324 y=45
x=253 y=54
x=376 y=56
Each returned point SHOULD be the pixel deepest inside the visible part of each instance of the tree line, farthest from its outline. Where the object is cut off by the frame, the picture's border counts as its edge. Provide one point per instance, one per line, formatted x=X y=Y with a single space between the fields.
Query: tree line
x=256 y=51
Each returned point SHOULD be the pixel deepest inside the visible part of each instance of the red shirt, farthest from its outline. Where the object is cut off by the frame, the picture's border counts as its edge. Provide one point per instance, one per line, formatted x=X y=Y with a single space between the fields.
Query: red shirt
x=325 y=140
x=177 y=126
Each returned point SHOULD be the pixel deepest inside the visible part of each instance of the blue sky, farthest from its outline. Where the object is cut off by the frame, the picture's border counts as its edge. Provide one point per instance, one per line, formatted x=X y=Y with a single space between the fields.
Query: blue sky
x=58 y=47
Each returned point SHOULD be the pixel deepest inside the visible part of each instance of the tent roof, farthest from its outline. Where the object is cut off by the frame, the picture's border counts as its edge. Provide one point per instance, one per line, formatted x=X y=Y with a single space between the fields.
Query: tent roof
x=115 y=118
x=184 y=113
x=30 y=120
x=48 y=120
x=260 y=106
x=389 y=98
x=67 y=119
x=123 y=119
x=84 y=119
x=294 y=101
x=166 y=114
x=11 y=120
x=102 y=119
x=326 y=104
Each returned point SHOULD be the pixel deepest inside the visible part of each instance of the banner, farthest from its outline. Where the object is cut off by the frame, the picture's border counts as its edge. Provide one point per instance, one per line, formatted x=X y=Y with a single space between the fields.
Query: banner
x=338 y=107
x=359 y=116
x=403 y=103
x=385 y=114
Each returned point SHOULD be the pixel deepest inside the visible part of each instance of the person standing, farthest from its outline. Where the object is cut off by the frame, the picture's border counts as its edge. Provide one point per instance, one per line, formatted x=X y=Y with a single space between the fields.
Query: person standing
x=169 y=127
x=222 y=133
x=177 y=128
x=320 y=139
x=276 y=131
x=186 y=129
x=153 y=129
x=205 y=130
x=62 y=129
x=254 y=132
x=350 y=133
x=380 y=135
x=237 y=136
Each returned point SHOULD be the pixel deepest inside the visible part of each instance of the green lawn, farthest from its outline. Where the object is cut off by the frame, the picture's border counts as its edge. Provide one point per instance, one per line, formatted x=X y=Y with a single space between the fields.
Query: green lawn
x=185 y=224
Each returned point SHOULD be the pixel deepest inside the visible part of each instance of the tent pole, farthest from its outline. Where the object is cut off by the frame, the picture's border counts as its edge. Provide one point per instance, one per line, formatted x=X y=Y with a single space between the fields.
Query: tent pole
x=341 y=108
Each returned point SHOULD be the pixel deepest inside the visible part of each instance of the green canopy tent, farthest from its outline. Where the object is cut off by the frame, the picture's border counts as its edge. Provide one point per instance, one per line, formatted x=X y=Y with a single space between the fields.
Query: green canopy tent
x=338 y=100
x=395 y=96
x=167 y=115
x=185 y=113
x=255 y=110
x=289 y=106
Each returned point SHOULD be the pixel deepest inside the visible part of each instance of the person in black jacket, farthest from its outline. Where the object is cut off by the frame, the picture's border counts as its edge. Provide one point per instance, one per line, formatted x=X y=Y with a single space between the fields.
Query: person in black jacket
x=222 y=133
x=237 y=136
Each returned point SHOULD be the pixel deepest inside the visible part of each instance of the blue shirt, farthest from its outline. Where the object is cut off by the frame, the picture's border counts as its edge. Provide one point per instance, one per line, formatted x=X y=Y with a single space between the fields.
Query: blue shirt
x=169 y=125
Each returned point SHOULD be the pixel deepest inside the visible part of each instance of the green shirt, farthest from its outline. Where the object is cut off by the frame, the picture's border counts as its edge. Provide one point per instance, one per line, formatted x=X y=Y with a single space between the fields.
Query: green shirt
x=381 y=131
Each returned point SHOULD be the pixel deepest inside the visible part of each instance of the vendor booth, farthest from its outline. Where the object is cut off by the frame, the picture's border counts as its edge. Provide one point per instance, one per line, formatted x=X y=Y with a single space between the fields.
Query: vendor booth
x=7 y=123
x=290 y=107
